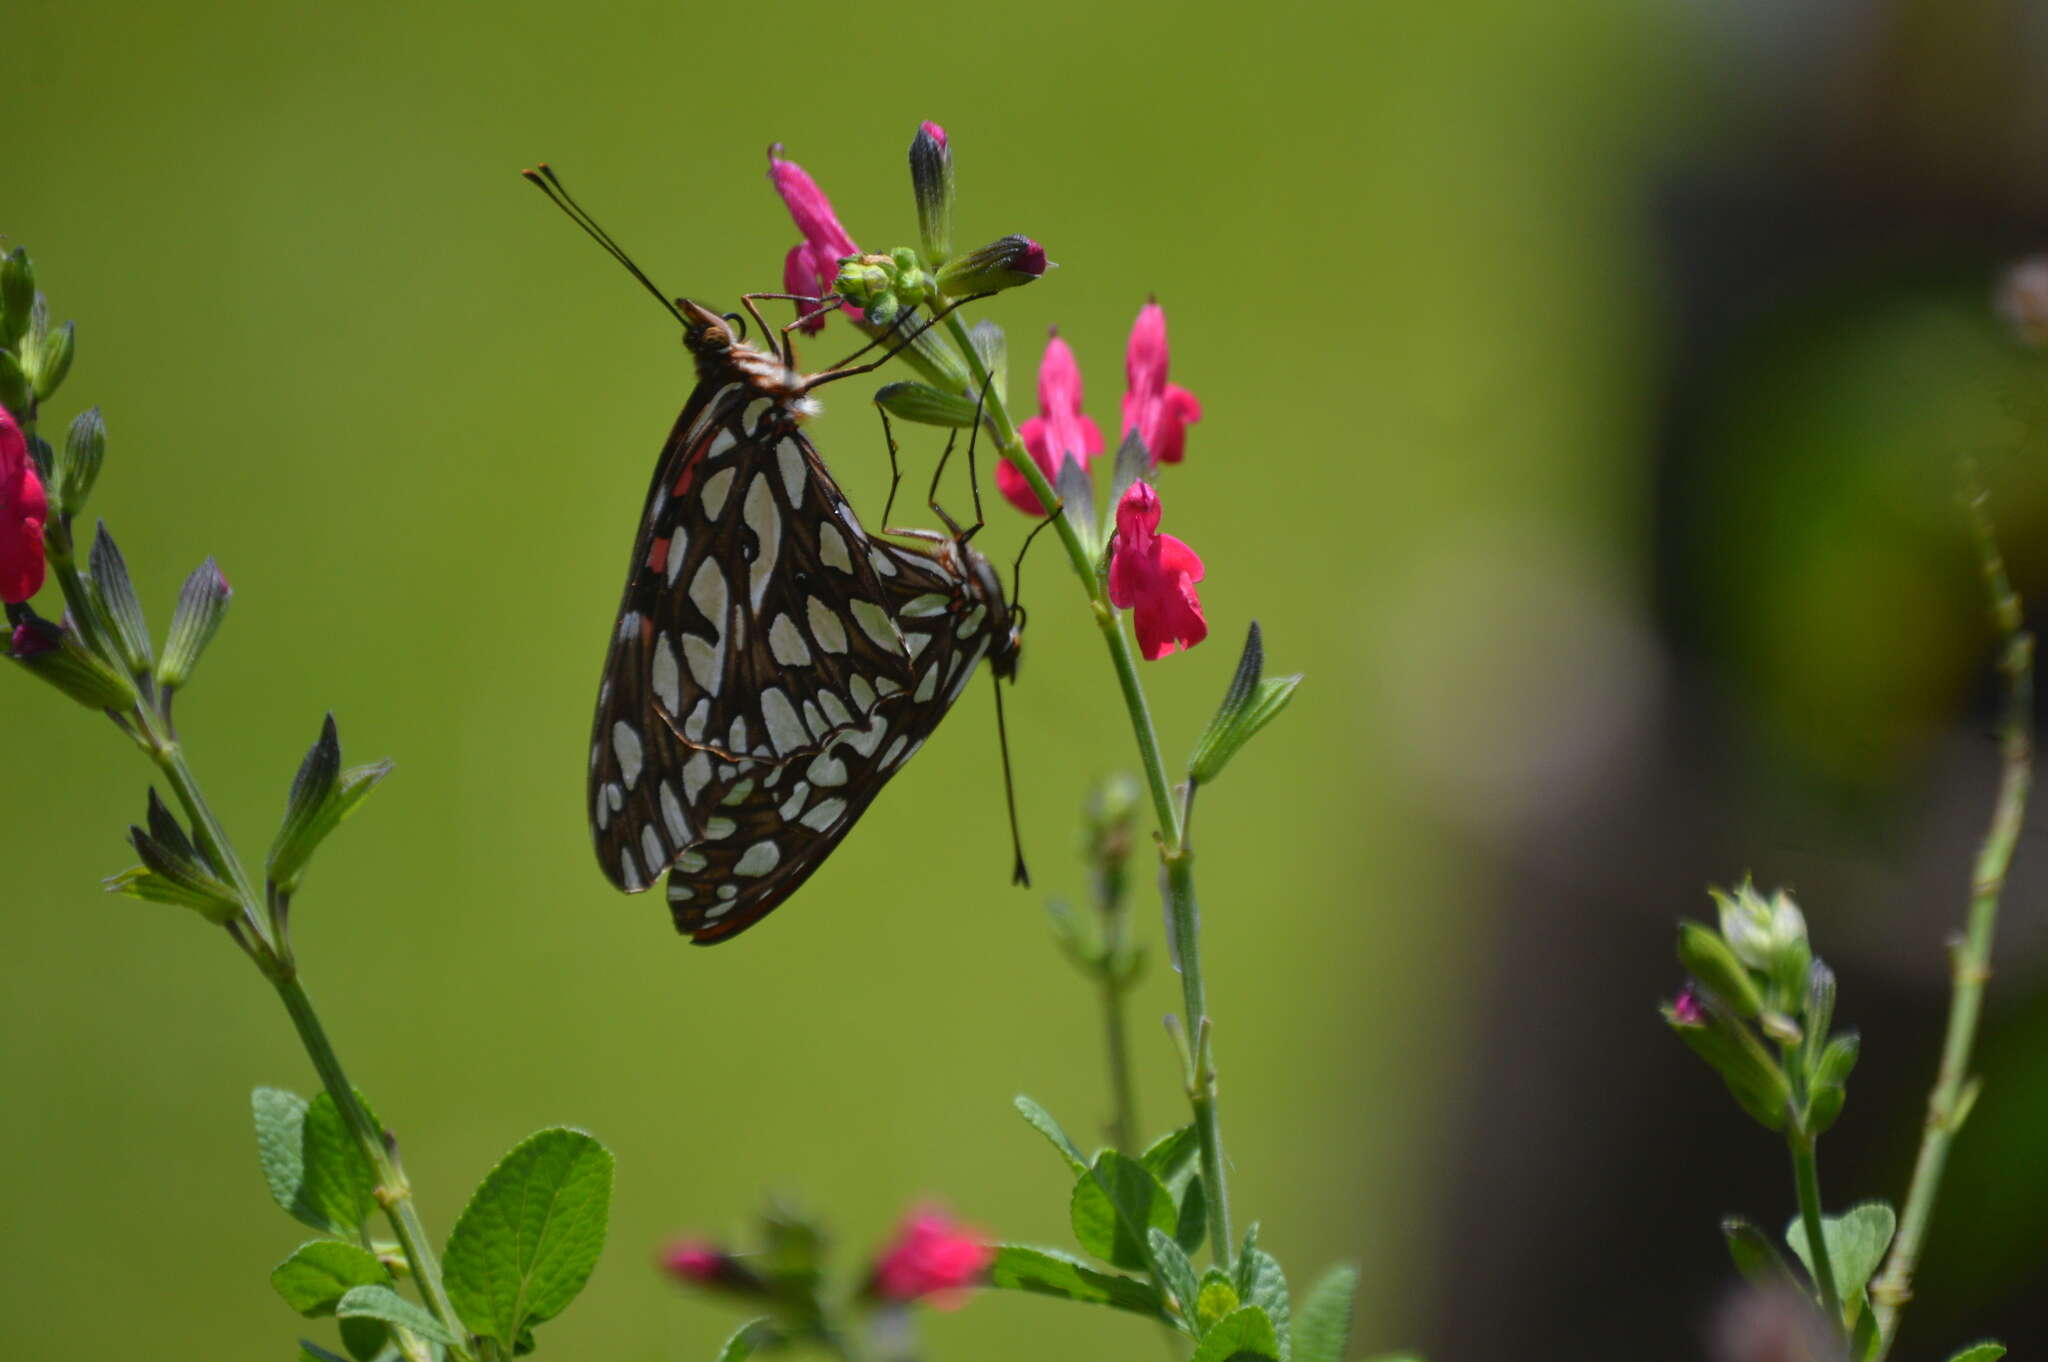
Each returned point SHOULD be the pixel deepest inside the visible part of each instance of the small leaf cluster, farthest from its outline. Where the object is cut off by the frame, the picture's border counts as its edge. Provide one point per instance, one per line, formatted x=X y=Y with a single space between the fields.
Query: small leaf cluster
x=523 y=1249
x=1252 y=702
x=1146 y=1217
x=1759 y=1011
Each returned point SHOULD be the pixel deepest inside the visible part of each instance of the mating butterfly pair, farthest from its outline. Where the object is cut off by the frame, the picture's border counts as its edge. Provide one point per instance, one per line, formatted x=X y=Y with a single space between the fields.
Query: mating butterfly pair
x=773 y=665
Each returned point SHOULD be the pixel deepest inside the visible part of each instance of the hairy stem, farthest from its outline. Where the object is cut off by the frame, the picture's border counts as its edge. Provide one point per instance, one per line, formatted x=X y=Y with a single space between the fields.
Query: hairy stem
x=1948 y=1104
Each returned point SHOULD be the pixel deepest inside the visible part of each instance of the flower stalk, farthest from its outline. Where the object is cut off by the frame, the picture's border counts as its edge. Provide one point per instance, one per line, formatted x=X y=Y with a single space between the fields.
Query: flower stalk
x=1948 y=1105
x=1175 y=855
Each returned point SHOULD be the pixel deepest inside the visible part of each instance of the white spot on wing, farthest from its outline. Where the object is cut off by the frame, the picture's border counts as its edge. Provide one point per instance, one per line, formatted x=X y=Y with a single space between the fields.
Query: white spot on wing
x=785 y=732
x=863 y=694
x=787 y=644
x=672 y=814
x=928 y=687
x=835 y=708
x=791 y=461
x=759 y=859
x=629 y=873
x=825 y=626
x=824 y=815
x=626 y=746
x=690 y=862
x=826 y=769
x=832 y=548
x=921 y=607
x=668 y=683
x=967 y=626
x=652 y=849
x=696 y=773
x=711 y=496
x=678 y=549
x=874 y=622
x=693 y=727
x=766 y=522
x=736 y=739
x=793 y=805
x=881 y=561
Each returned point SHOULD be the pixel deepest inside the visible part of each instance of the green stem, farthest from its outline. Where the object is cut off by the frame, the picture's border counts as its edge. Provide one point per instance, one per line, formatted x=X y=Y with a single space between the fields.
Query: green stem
x=1173 y=850
x=1806 y=1176
x=1123 y=1121
x=1949 y=1101
x=394 y=1193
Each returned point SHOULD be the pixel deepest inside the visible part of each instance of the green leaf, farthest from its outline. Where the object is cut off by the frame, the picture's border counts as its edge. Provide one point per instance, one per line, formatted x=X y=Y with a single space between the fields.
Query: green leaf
x=1049 y=1272
x=315 y=1171
x=1192 y=1225
x=1322 y=1331
x=1042 y=1121
x=1171 y=1157
x=1755 y=1256
x=1251 y=665
x=367 y=1339
x=1113 y=1206
x=531 y=1234
x=319 y=1273
x=383 y=1304
x=1216 y=1298
x=1260 y=1282
x=1753 y=1078
x=1856 y=1241
x=116 y=596
x=1248 y=706
x=1986 y=1351
x=926 y=405
x=748 y=1337
x=1243 y=1335
x=1177 y=1274
x=201 y=605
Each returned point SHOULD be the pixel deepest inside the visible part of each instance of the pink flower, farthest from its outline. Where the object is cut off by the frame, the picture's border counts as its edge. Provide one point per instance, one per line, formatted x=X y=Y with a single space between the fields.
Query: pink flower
x=1160 y=412
x=1153 y=575
x=1686 y=1009
x=705 y=1264
x=812 y=266
x=935 y=132
x=33 y=637
x=1058 y=433
x=932 y=1256
x=23 y=508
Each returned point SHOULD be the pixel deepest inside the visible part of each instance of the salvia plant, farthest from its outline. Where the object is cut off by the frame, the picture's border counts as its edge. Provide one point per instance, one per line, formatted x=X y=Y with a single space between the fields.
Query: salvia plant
x=772 y=666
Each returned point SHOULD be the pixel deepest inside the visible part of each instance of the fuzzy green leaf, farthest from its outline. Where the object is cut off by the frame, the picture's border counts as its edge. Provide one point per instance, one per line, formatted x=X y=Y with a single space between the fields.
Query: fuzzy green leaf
x=1171 y=1157
x=1755 y=1256
x=1856 y=1241
x=1322 y=1330
x=313 y=1167
x=1986 y=1351
x=926 y=405
x=320 y=1272
x=1114 y=1204
x=531 y=1234
x=1243 y=1335
x=1049 y=1272
x=746 y=1339
x=1176 y=1273
x=1043 y=1122
x=1260 y=1282
x=1191 y=1226
x=386 y=1306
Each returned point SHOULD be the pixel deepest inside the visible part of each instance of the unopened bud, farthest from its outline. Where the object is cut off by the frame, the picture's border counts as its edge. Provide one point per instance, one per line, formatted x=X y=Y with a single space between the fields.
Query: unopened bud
x=931 y=179
x=1004 y=263
x=55 y=654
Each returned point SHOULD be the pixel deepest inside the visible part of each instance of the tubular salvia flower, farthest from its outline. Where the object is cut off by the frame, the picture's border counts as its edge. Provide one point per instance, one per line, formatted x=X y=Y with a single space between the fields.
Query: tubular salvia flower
x=812 y=265
x=24 y=506
x=1060 y=432
x=1153 y=575
x=932 y=1258
x=1157 y=410
x=705 y=1264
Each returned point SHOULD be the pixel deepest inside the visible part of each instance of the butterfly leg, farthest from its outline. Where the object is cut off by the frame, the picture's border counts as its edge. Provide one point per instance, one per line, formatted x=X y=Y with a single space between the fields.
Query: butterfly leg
x=809 y=308
x=895 y=471
x=932 y=493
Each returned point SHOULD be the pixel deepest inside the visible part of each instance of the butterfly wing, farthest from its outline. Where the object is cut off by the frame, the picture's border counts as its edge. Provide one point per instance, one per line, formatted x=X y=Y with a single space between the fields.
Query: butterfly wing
x=776 y=824
x=752 y=630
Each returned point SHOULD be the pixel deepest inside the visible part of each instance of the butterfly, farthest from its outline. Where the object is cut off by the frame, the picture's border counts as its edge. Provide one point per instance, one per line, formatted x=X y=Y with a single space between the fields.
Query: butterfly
x=772 y=664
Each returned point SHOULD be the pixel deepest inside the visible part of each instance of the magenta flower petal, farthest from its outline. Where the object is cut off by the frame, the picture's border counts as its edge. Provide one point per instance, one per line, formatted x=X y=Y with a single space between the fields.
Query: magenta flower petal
x=812 y=267
x=1157 y=410
x=1060 y=432
x=1153 y=576
x=932 y=1258
x=23 y=508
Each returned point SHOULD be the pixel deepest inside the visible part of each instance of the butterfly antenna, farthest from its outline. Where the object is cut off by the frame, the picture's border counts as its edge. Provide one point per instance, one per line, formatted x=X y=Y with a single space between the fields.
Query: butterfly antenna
x=548 y=183
x=1018 y=874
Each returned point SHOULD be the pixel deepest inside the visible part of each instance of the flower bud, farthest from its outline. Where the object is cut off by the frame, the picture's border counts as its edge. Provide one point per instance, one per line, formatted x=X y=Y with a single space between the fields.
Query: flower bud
x=15 y=388
x=931 y=179
x=17 y=295
x=52 y=360
x=1753 y=1078
x=201 y=604
x=1763 y=932
x=1708 y=960
x=85 y=449
x=705 y=1264
x=56 y=655
x=1004 y=263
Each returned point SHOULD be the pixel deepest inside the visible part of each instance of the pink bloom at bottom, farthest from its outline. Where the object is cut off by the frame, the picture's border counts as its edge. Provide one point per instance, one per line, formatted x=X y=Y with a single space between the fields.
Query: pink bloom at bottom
x=23 y=507
x=934 y=1258
x=1153 y=575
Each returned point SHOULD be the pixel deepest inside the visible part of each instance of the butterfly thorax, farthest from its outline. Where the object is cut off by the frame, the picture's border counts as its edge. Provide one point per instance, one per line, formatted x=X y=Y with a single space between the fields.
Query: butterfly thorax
x=723 y=359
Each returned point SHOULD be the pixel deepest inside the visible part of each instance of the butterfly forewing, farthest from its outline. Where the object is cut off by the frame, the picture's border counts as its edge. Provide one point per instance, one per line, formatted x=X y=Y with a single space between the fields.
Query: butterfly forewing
x=775 y=824
x=752 y=631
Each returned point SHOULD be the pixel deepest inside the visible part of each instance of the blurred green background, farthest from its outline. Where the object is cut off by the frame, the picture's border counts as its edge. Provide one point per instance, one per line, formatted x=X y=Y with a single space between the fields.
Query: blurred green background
x=1605 y=587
